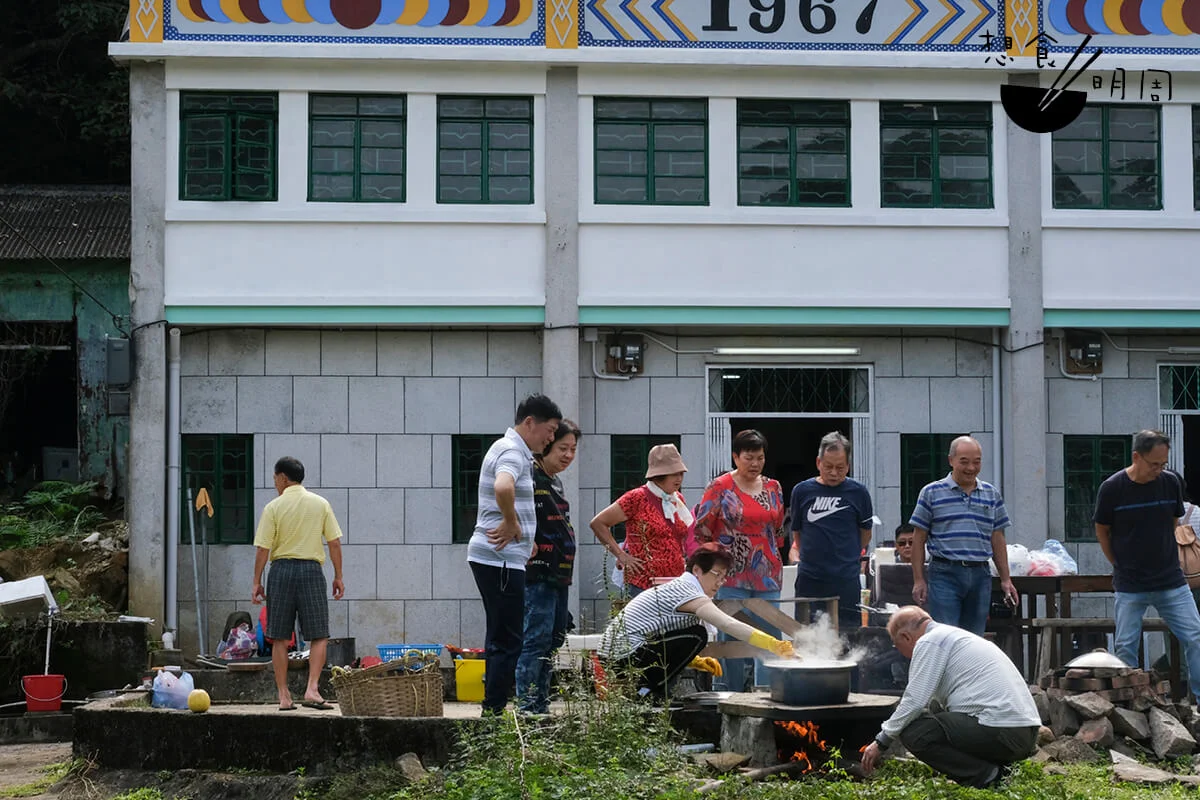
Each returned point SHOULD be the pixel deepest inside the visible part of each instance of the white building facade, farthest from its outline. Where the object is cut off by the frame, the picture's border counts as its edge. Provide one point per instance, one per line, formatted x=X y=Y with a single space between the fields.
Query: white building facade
x=379 y=225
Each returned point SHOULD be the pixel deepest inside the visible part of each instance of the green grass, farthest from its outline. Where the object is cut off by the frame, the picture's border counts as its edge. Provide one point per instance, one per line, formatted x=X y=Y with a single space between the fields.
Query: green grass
x=52 y=773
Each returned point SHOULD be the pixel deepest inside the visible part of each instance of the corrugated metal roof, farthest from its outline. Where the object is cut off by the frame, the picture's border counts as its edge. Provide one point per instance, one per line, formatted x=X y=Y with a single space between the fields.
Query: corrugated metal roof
x=65 y=222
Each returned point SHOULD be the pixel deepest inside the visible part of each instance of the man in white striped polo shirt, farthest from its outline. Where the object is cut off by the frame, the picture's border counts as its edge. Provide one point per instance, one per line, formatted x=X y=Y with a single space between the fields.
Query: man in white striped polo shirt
x=962 y=519
x=989 y=721
x=503 y=541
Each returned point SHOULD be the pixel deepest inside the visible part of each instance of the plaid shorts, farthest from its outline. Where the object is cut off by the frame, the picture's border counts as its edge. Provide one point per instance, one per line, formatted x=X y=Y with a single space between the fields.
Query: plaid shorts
x=297 y=587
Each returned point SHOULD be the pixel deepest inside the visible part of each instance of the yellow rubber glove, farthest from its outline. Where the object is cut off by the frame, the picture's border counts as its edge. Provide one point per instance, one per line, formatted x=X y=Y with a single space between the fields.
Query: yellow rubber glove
x=766 y=641
x=706 y=664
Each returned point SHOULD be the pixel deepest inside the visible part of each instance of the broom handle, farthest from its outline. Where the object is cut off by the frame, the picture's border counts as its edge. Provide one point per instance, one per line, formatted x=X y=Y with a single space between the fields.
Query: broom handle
x=49 y=628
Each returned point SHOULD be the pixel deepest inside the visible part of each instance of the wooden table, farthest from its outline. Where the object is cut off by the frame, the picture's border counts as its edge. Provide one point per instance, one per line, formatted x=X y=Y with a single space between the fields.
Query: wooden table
x=1017 y=637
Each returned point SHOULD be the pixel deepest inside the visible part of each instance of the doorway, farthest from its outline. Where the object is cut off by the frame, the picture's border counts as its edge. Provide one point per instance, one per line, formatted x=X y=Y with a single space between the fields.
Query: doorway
x=1191 y=456
x=792 y=445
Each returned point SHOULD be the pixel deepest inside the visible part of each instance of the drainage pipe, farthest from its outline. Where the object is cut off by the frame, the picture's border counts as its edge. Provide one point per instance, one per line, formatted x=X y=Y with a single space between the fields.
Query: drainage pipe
x=171 y=612
x=997 y=416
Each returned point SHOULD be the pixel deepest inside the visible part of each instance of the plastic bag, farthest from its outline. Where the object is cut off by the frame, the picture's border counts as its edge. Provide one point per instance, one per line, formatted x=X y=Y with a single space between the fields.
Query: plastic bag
x=171 y=690
x=1018 y=560
x=239 y=645
x=1052 y=560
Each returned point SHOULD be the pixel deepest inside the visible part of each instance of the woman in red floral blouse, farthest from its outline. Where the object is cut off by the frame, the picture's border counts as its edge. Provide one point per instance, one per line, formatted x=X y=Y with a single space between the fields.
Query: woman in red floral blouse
x=743 y=512
x=656 y=521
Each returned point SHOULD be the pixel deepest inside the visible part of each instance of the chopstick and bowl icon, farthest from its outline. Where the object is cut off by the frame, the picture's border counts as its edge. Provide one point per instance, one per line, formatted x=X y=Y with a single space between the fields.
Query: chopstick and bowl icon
x=1039 y=110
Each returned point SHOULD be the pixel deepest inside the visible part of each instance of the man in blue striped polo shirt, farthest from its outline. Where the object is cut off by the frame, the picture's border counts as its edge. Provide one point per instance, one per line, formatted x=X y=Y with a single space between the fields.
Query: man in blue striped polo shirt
x=962 y=520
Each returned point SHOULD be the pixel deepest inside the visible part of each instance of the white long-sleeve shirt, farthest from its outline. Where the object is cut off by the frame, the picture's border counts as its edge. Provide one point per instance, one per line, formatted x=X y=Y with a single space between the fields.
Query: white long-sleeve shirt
x=967 y=674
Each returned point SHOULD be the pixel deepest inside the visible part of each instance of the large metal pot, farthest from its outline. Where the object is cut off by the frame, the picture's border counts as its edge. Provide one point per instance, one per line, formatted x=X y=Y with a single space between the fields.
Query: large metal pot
x=810 y=683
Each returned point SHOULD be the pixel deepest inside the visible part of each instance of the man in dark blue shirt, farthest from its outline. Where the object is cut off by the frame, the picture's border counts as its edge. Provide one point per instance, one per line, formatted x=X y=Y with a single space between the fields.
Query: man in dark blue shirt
x=831 y=524
x=1136 y=513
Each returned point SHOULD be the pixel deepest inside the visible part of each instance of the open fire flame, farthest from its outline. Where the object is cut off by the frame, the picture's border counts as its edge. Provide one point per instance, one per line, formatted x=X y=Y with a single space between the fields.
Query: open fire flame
x=811 y=743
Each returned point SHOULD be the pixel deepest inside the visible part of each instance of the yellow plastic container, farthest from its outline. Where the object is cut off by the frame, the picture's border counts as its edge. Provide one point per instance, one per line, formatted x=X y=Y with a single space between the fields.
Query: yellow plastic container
x=468 y=679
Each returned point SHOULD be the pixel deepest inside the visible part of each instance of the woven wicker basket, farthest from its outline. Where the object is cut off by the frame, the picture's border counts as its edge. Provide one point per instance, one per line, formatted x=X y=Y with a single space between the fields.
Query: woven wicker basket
x=401 y=688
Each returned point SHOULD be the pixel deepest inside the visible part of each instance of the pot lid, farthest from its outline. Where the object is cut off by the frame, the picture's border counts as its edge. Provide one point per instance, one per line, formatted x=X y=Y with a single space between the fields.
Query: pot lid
x=1097 y=658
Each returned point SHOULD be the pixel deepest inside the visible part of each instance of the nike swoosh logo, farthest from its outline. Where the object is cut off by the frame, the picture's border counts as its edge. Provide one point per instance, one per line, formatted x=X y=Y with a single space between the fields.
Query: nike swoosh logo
x=823 y=514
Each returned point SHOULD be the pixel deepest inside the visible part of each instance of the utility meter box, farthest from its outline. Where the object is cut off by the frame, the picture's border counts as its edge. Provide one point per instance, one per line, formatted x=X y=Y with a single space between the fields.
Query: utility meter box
x=119 y=368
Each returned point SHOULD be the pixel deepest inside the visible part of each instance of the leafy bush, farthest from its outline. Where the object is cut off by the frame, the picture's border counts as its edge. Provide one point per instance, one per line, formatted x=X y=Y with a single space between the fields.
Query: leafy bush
x=51 y=510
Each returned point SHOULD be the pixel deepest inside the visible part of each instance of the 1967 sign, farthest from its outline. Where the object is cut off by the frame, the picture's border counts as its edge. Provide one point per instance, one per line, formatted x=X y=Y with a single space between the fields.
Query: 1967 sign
x=790 y=24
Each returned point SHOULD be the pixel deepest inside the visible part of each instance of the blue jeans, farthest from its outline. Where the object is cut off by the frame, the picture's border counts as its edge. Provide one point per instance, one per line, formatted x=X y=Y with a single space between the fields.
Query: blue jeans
x=1178 y=610
x=734 y=669
x=545 y=632
x=959 y=596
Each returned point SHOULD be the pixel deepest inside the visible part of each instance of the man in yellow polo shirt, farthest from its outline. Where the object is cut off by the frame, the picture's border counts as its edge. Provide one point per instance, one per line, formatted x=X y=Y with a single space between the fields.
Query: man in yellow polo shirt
x=292 y=533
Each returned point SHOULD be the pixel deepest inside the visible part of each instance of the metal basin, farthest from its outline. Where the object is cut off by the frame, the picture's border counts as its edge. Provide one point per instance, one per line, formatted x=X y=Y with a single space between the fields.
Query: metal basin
x=810 y=683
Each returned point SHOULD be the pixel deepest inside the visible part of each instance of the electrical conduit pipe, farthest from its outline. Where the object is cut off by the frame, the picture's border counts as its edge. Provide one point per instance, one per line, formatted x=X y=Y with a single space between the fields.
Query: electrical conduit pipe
x=171 y=612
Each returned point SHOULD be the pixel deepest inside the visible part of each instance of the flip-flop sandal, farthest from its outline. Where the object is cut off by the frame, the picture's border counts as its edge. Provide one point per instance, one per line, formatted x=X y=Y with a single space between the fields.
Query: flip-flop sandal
x=287 y=708
x=317 y=706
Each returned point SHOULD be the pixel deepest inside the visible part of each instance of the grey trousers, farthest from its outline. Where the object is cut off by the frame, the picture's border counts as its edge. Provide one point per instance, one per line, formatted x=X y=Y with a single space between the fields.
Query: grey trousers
x=959 y=747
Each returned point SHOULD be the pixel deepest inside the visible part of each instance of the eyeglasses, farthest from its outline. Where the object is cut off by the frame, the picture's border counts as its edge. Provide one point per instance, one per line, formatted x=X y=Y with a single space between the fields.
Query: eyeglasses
x=720 y=576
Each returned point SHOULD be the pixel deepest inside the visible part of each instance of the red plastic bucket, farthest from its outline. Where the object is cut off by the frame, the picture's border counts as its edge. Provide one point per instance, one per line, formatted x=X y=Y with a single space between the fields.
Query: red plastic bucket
x=44 y=692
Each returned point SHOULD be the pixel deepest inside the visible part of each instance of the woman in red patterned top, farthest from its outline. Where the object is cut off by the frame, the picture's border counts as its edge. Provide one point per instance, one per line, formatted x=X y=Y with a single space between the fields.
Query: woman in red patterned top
x=743 y=512
x=656 y=521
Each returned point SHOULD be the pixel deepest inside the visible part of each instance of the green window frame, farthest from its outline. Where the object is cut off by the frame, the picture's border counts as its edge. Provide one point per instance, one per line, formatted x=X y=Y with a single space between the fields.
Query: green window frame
x=1179 y=387
x=650 y=151
x=1110 y=157
x=224 y=465
x=1087 y=462
x=356 y=148
x=935 y=155
x=485 y=150
x=923 y=460
x=229 y=146
x=794 y=153
x=466 y=458
x=1196 y=157
x=627 y=465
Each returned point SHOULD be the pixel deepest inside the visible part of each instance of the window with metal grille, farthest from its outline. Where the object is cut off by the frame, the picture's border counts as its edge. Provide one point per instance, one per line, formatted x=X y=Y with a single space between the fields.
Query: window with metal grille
x=466 y=453
x=1196 y=156
x=222 y=464
x=356 y=148
x=627 y=466
x=1109 y=158
x=936 y=155
x=792 y=391
x=1087 y=461
x=923 y=460
x=652 y=152
x=228 y=146
x=485 y=150
x=793 y=153
x=1179 y=387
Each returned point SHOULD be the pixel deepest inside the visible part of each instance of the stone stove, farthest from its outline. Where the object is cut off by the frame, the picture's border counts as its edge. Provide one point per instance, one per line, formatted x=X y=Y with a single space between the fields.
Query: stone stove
x=751 y=724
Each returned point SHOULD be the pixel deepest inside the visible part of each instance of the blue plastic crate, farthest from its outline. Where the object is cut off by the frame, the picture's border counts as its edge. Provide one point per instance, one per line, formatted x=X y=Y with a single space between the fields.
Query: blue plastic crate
x=390 y=652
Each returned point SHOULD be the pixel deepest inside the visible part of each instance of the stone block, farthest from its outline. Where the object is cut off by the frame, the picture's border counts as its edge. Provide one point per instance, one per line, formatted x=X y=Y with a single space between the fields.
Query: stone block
x=1168 y=736
x=1074 y=407
x=887 y=459
x=528 y=386
x=925 y=358
x=431 y=621
x=339 y=502
x=1063 y=719
x=230 y=571
x=403 y=460
x=264 y=405
x=1045 y=736
x=1096 y=732
x=622 y=406
x=1126 y=404
x=260 y=460
x=592 y=569
x=293 y=353
x=443 y=469
x=358 y=571
x=348 y=460
x=405 y=573
x=208 y=405
x=306 y=447
x=427 y=516
x=405 y=353
x=885 y=353
x=594 y=461
x=902 y=404
x=1091 y=561
x=376 y=405
x=375 y=622
x=193 y=353
x=1042 y=702
x=376 y=516
x=1089 y=705
x=459 y=353
x=1054 y=459
x=320 y=405
x=473 y=622
x=514 y=353
x=239 y=351
x=431 y=405
x=972 y=360
x=660 y=362
x=1133 y=724
x=956 y=404
x=1070 y=750
x=455 y=580
x=677 y=405
x=487 y=405
x=348 y=353
x=587 y=404
x=694 y=449
x=751 y=736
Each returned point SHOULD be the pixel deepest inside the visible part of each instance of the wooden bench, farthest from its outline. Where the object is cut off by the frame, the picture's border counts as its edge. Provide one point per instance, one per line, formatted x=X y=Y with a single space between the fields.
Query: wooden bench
x=1054 y=629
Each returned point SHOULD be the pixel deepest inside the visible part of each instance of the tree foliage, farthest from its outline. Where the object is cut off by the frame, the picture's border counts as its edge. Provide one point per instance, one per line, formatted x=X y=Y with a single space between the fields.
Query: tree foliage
x=64 y=102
